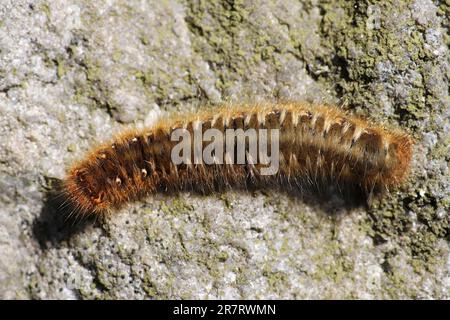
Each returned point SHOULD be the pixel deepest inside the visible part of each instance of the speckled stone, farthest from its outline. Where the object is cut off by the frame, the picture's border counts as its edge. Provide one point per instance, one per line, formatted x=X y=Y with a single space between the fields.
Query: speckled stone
x=75 y=72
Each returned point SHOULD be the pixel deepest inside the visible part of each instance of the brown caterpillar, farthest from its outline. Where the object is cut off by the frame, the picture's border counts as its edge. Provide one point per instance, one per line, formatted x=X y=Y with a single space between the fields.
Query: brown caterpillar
x=317 y=145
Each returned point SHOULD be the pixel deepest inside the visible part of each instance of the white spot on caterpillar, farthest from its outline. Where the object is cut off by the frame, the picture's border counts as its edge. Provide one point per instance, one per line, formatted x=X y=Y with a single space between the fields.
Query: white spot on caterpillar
x=214 y=119
x=261 y=119
x=293 y=159
x=282 y=117
x=358 y=132
x=327 y=125
x=226 y=121
x=314 y=119
x=346 y=126
x=248 y=117
x=295 y=116
x=386 y=146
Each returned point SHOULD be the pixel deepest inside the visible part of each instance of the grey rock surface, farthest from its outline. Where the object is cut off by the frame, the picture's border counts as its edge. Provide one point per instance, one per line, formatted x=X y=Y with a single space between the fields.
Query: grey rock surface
x=75 y=72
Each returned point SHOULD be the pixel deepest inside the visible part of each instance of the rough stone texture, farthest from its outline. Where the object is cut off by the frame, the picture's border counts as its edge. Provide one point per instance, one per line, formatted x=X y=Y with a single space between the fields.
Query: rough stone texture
x=74 y=72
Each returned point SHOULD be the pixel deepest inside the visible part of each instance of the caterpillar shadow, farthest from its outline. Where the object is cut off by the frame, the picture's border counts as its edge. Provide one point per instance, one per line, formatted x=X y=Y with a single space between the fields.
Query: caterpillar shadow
x=328 y=197
x=57 y=222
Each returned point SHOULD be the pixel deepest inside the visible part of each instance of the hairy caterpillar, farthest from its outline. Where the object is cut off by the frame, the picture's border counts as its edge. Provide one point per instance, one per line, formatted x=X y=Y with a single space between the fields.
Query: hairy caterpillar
x=317 y=145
